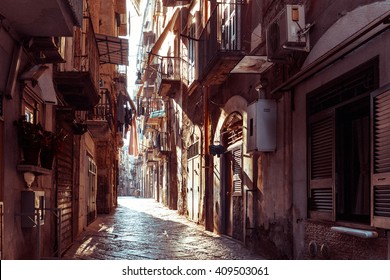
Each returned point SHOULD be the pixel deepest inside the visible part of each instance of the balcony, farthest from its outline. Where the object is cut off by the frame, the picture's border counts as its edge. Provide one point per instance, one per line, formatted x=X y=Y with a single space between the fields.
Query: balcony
x=45 y=50
x=222 y=43
x=155 y=117
x=172 y=74
x=174 y=3
x=163 y=143
x=42 y=17
x=148 y=105
x=102 y=113
x=78 y=83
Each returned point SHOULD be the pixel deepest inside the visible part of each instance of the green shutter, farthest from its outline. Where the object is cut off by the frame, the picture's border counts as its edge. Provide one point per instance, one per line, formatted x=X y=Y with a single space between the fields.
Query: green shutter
x=380 y=158
x=321 y=166
x=237 y=171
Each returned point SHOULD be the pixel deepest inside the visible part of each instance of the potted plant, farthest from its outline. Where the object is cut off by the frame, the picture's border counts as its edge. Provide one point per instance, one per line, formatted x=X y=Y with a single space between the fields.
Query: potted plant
x=39 y=146
x=52 y=143
x=30 y=140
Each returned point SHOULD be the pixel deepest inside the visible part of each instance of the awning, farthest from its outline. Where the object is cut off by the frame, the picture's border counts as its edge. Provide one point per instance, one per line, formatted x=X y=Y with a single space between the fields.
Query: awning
x=45 y=82
x=364 y=23
x=155 y=116
x=43 y=75
x=42 y=18
x=113 y=50
x=252 y=65
x=157 y=46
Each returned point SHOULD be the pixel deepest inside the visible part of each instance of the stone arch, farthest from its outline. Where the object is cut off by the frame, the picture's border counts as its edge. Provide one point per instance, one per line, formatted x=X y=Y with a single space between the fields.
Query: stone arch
x=235 y=104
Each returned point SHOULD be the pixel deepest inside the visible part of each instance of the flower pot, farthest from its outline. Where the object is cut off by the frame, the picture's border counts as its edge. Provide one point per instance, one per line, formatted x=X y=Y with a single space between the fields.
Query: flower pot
x=31 y=155
x=47 y=158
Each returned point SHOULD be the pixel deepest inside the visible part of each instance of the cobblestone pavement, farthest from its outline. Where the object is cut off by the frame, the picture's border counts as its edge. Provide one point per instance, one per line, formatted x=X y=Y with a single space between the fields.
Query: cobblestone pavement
x=144 y=229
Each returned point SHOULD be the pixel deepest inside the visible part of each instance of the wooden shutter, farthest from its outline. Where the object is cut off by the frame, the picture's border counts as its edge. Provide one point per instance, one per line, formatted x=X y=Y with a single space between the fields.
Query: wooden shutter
x=321 y=166
x=64 y=177
x=237 y=171
x=380 y=158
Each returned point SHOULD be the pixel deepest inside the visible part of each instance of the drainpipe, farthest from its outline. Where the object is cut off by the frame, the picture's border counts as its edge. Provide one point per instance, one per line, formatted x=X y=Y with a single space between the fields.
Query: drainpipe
x=208 y=185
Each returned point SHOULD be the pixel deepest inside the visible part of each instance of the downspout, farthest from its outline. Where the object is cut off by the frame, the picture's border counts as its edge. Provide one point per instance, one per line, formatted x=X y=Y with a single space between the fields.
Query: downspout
x=209 y=194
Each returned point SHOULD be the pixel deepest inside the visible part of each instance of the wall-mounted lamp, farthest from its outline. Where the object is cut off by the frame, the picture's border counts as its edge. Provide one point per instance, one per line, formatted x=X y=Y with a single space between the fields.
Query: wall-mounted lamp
x=139 y=79
x=217 y=150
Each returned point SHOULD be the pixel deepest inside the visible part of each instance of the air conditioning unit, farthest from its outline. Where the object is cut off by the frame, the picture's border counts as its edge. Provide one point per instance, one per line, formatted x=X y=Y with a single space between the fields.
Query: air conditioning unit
x=261 y=126
x=287 y=32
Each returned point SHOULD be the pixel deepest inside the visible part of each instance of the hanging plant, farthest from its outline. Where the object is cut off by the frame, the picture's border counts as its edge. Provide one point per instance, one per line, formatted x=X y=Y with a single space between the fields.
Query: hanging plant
x=30 y=140
x=52 y=143
x=39 y=146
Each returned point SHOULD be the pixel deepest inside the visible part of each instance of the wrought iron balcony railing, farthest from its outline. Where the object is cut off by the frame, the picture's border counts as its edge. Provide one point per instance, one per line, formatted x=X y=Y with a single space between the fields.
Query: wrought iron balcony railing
x=222 y=44
x=163 y=143
x=78 y=79
x=172 y=72
x=103 y=110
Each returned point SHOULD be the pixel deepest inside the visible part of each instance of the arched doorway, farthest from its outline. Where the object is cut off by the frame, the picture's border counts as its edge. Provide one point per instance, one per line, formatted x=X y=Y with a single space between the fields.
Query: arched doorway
x=232 y=135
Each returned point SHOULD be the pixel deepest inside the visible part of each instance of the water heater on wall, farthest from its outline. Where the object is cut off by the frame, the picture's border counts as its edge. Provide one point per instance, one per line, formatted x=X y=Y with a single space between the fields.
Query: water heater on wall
x=261 y=126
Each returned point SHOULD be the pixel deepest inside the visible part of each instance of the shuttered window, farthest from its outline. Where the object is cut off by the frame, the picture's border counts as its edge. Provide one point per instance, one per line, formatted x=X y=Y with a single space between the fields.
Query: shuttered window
x=321 y=147
x=64 y=177
x=338 y=158
x=237 y=171
x=380 y=177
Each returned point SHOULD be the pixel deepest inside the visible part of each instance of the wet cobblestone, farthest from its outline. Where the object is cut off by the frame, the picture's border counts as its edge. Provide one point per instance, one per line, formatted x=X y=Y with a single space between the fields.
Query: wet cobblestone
x=144 y=229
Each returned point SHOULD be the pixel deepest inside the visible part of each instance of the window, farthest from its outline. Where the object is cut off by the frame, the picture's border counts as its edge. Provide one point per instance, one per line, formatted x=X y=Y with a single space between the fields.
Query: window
x=230 y=18
x=29 y=114
x=380 y=174
x=191 y=54
x=352 y=161
x=32 y=105
x=339 y=141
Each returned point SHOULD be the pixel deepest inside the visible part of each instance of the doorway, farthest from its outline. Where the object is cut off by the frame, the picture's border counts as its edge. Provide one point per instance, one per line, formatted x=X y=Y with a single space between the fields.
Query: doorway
x=233 y=209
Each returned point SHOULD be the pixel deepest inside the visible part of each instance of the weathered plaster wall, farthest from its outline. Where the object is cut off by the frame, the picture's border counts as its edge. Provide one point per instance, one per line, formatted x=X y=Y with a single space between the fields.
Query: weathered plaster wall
x=339 y=247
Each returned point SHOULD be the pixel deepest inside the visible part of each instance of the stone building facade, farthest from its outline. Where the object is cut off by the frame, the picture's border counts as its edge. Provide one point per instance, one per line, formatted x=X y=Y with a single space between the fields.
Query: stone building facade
x=50 y=73
x=263 y=126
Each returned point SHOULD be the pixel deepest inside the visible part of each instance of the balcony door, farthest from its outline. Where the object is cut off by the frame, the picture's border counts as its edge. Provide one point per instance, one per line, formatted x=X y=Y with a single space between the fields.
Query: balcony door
x=230 y=27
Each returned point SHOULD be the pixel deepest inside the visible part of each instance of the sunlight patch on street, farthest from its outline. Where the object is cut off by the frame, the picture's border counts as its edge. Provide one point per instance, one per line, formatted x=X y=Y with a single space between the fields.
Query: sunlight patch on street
x=86 y=248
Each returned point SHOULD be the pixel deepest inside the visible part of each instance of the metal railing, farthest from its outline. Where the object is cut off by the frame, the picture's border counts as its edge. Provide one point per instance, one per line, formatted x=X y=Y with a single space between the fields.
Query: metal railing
x=163 y=143
x=150 y=105
x=172 y=68
x=85 y=55
x=103 y=110
x=222 y=34
x=90 y=61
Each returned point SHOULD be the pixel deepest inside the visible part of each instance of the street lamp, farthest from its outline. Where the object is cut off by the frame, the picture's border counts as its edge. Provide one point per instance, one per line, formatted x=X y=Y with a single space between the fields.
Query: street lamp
x=139 y=79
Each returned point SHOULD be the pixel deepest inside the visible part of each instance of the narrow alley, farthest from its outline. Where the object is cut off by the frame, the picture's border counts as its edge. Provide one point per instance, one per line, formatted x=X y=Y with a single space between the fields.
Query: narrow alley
x=144 y=229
